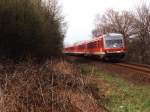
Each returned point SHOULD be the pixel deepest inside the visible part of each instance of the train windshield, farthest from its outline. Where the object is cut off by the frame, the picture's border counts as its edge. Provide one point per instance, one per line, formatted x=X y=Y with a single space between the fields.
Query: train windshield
x=114 y=42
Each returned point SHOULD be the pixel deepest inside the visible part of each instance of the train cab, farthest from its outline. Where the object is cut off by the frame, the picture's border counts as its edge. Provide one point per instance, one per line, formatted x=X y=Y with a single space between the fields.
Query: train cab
x=114 y=46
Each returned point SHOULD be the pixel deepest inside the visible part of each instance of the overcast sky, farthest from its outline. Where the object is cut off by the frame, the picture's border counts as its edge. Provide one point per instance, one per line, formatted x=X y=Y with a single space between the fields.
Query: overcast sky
x=80 y=15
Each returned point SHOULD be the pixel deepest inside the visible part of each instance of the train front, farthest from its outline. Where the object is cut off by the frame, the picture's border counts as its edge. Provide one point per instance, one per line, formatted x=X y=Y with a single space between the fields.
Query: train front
x=114 y=46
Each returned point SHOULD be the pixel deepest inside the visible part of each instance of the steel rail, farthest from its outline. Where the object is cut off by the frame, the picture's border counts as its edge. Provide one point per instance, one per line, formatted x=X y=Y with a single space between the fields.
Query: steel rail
x=138 y=67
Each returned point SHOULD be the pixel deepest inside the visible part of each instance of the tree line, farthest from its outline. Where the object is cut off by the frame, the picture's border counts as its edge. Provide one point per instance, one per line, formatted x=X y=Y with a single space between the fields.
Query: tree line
x=133 y=25
x=31 y=28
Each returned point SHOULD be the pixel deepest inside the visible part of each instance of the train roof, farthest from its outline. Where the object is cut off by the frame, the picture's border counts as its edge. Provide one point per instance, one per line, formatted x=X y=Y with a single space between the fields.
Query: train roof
x=94 y=39
x=105 y=35
x=113 y=34
x=80 y=42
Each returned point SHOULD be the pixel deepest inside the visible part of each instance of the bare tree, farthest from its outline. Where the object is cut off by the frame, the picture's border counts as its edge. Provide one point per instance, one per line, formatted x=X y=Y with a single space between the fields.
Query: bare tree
x=142 y=27
x=113 y=21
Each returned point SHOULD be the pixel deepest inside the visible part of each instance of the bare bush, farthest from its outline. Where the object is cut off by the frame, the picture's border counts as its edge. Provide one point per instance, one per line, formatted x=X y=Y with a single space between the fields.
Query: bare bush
x=142 y=28
x=28 y=87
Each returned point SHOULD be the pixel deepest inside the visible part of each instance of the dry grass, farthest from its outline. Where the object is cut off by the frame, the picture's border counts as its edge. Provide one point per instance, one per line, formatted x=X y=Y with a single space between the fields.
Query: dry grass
x=55 y=86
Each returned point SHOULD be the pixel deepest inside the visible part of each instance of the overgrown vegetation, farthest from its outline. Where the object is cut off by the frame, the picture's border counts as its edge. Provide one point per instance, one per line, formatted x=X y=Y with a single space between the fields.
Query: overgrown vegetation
x=30 y=28
x=55 y=86
x=135 y=27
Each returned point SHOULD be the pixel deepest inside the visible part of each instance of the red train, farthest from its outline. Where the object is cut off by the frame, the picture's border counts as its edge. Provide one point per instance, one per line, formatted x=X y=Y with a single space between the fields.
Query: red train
x=108 y=47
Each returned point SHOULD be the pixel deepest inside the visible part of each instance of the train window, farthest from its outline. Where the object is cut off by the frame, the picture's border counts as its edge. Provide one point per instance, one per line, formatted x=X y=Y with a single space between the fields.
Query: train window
x=99 y=43
x=95 y=44
x=81 y=46
x=92 y=45
x=114 y=43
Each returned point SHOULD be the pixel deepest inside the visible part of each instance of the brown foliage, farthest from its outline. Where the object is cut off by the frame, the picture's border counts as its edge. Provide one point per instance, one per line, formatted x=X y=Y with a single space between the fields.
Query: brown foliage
x=54 y=86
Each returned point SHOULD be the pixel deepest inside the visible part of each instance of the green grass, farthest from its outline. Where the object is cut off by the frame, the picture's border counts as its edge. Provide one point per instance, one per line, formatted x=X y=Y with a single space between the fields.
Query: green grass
x=123 y=95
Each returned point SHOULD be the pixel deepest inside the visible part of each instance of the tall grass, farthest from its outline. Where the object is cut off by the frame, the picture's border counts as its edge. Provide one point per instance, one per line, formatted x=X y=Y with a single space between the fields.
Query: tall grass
x=55 y=86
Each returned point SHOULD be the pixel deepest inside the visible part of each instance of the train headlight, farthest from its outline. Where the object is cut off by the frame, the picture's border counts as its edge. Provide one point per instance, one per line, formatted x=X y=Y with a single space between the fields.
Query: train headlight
x=114 y=45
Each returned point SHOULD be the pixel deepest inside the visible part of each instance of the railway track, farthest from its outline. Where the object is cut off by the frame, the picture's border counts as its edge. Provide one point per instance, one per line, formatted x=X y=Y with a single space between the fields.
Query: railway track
x=130 y=71
x=141 y=68
x=138 y=68
x=141 y=65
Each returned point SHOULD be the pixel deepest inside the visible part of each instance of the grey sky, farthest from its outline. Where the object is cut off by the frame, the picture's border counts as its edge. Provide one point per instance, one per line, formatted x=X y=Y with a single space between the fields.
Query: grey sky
x=80 y=15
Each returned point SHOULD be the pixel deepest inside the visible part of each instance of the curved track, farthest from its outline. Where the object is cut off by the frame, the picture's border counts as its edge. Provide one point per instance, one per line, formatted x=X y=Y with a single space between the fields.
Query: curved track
x=130 y=71
x=142 y=68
